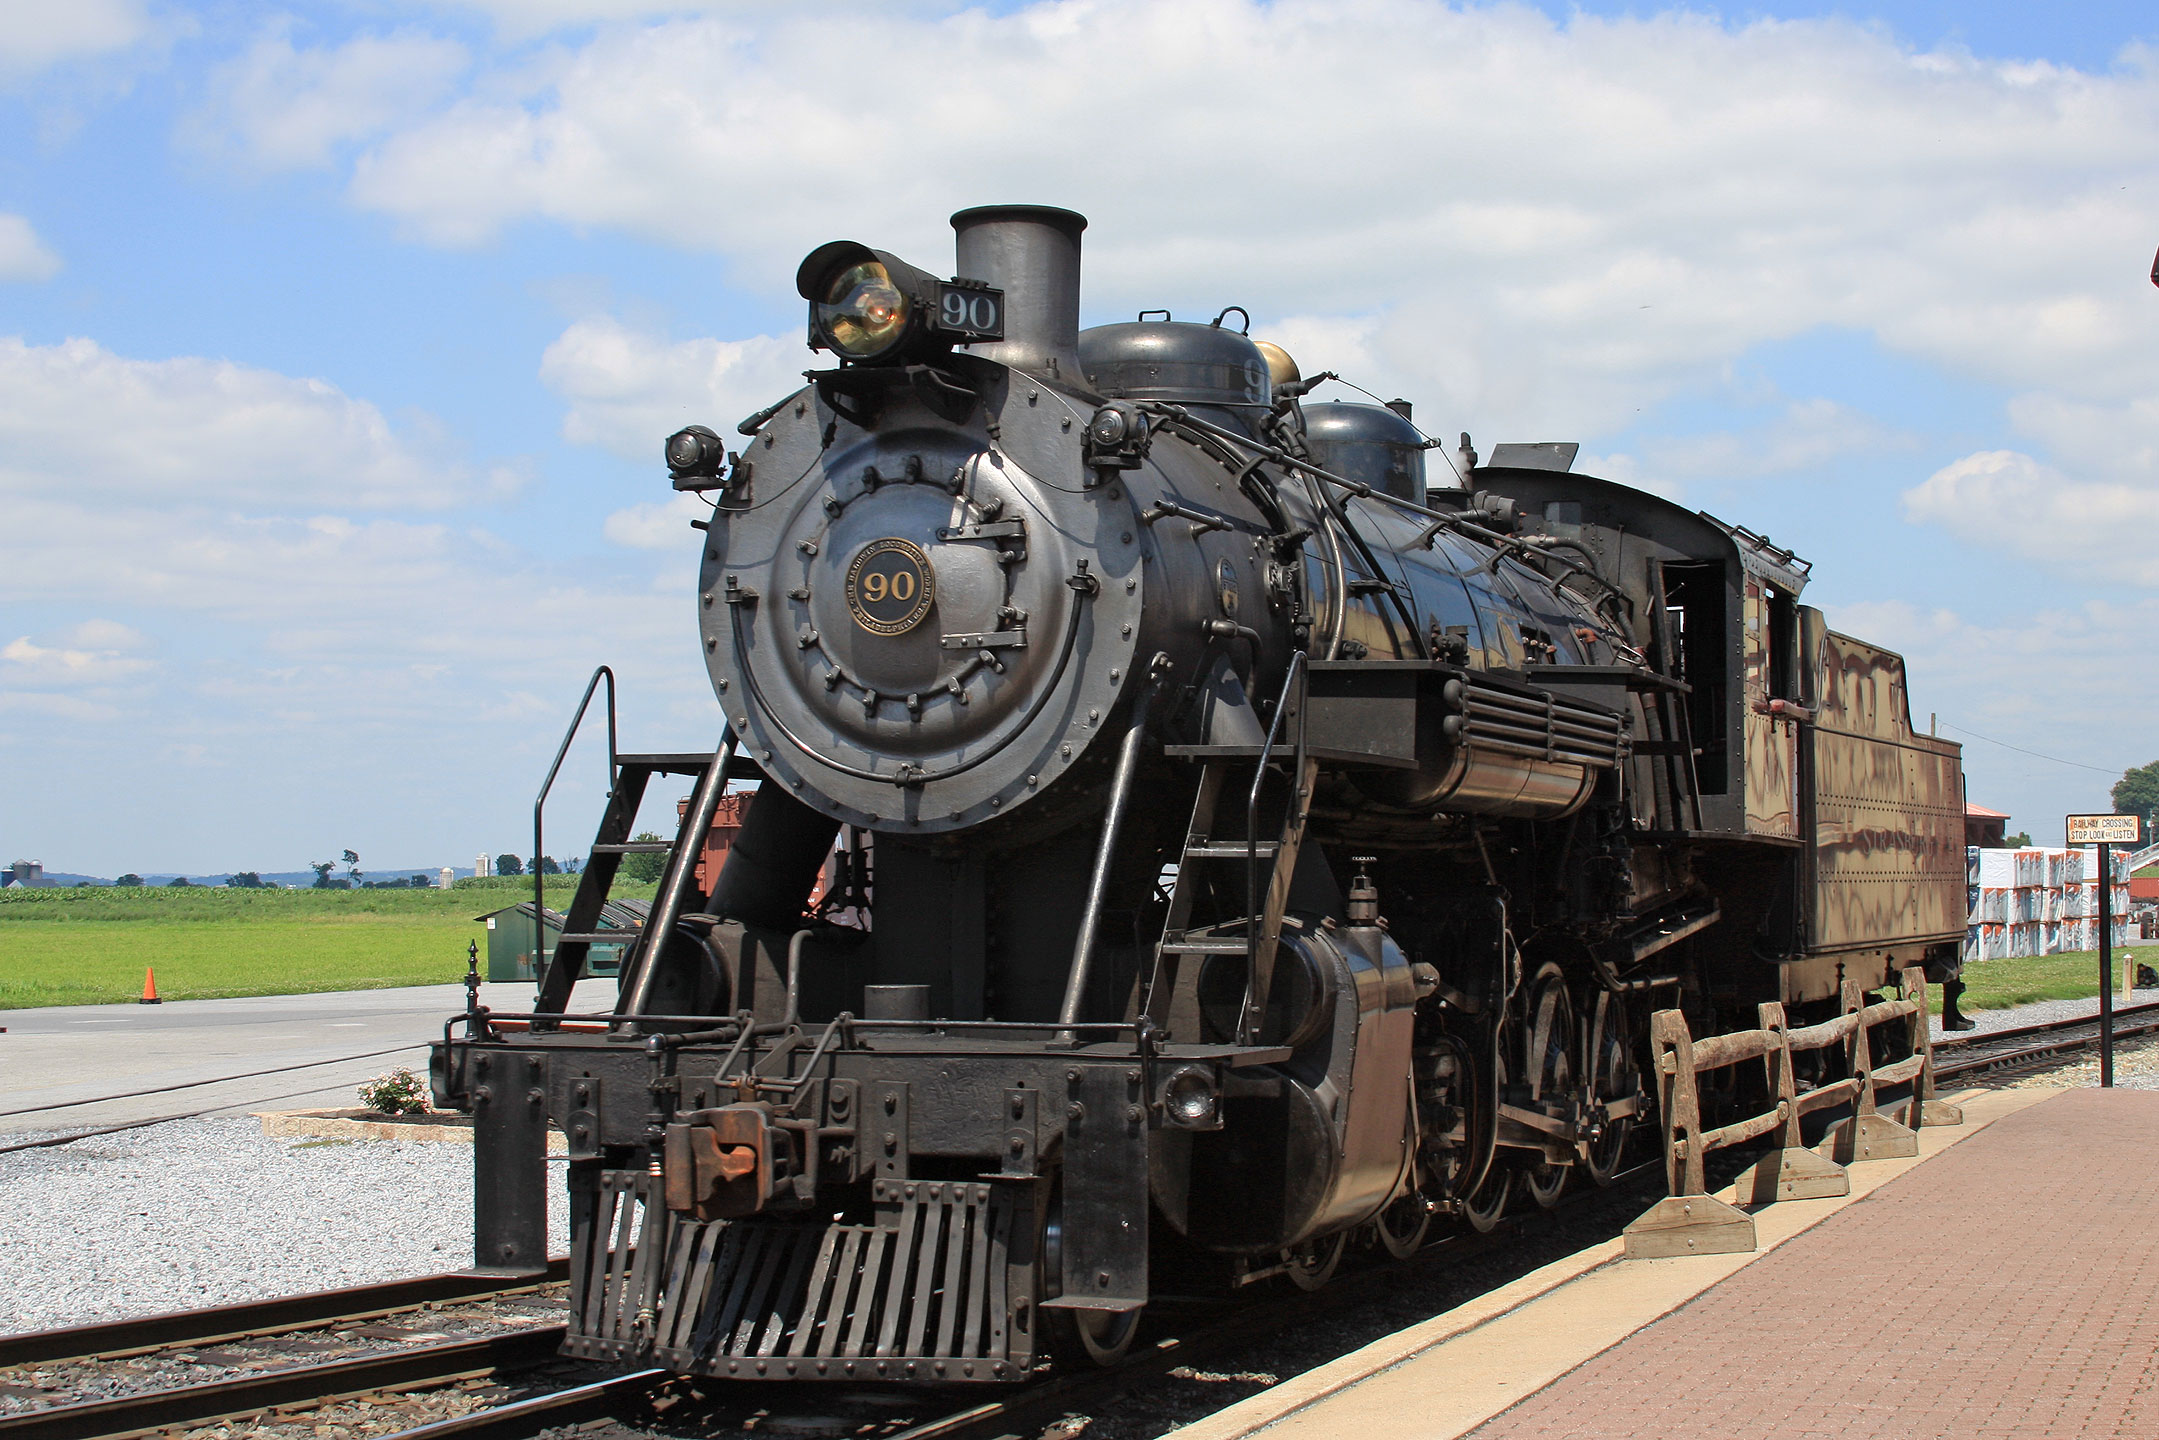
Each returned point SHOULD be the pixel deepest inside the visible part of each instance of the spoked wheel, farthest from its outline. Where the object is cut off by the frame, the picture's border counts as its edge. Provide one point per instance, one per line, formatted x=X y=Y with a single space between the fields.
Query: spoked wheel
x=1079 y=1338
x=1482 y=1210
x=1402 y=1226
x=1610 y=1076
x=1313 y=1263
x=1549 y=1054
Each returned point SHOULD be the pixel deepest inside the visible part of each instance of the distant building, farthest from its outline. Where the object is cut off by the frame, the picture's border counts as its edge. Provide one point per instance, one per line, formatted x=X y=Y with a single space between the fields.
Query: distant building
x=1988 y=829
x=482 y=867
x=24 y=872
x=513 y=939
x=446 y=878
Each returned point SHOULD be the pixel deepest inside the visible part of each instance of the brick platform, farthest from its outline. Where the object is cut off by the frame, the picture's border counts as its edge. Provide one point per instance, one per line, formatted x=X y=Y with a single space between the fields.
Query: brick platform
x=2009 y=1287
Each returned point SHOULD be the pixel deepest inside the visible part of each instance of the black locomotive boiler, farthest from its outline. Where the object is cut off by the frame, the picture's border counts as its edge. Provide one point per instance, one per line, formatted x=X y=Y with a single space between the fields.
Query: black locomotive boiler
x=1192 y=833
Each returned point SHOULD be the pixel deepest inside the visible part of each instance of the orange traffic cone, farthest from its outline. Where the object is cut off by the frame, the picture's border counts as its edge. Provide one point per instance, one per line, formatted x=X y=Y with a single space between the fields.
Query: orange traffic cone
x=149 y=987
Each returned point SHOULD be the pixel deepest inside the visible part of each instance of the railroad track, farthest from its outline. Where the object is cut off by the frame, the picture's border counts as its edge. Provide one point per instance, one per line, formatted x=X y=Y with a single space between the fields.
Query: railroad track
x=1974 y=1053
x=170 y=1372
x=1196 y=1334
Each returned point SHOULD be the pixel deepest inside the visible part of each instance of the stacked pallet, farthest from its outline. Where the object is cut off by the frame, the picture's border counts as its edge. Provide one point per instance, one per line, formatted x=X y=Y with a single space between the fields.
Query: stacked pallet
x=2039 y=901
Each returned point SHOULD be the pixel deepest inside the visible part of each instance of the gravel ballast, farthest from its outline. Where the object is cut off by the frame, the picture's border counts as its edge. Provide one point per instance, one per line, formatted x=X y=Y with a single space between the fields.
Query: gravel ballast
x=2041 y=1012
x=209 y=1212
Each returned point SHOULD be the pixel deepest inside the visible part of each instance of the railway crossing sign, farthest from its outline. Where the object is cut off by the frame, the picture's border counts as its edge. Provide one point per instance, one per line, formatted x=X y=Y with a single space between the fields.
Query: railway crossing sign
x=2105 y=831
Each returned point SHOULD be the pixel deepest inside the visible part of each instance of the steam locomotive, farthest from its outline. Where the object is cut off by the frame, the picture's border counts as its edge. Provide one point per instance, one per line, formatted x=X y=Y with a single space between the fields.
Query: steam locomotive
x=1193 y=833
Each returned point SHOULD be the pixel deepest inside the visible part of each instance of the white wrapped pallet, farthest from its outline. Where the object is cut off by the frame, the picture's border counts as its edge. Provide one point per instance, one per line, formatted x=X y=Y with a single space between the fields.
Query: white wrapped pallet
x=1972 y=941
x=2078 y=901
x=2050 y=938
x=1994 y=905
x=1998 y=869
x=2023 y=940
x=1971 y=864
x=1994 y=941
x=2050 y=902
x=2031 y=867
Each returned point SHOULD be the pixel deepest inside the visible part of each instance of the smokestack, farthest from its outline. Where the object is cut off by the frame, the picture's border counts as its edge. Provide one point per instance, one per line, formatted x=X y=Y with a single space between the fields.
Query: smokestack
x=1032 y=253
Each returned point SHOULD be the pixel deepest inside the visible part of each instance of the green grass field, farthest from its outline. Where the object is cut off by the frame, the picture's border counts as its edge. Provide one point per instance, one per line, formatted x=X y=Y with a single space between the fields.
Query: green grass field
x=1999 y=984
x=90 y=947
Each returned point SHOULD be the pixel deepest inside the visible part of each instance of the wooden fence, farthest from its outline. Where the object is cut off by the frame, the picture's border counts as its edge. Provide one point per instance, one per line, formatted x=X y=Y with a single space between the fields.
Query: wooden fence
x=1689 y=1221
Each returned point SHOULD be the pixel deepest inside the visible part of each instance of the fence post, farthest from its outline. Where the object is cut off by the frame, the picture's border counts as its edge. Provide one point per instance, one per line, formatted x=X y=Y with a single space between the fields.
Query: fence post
x=1925 y=1109
x=1687 y=1221
x=1793 y=1172
x=1868 y=1135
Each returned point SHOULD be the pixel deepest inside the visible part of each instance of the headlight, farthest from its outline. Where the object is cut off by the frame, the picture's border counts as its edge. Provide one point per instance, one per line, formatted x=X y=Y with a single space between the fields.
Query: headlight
x=869 y=306
x=863 y=314
x=1189 y=1098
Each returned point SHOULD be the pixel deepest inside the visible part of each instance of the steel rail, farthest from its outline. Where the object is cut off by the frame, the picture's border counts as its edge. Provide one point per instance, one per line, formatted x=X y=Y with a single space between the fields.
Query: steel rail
x=302 y=1385
x=522 y=1418
x=263 y=1317
x=2056 y=1039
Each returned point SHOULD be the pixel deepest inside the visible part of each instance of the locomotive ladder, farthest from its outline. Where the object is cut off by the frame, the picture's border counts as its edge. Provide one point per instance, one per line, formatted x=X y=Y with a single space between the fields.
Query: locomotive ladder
x=1258 y=935
x=628 y=778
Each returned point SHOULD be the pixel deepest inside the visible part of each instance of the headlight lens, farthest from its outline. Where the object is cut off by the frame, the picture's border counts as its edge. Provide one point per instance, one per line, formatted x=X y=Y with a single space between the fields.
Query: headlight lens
x=862 y=313
x=1190 y=1099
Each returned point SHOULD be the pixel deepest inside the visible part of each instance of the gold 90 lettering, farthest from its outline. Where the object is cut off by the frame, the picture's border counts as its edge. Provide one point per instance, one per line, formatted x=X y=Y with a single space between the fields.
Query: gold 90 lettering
x=901 y=586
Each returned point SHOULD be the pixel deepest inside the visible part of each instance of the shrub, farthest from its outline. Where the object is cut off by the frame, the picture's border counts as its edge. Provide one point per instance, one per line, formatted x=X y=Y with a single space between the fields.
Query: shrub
x=398 y=1093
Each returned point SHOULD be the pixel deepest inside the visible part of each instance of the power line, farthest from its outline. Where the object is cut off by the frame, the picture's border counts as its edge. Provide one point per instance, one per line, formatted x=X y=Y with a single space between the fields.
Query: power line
x=2056 y=759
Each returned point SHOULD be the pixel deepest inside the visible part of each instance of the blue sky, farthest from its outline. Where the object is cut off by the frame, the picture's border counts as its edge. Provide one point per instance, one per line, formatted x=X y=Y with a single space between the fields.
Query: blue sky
x=337 y=341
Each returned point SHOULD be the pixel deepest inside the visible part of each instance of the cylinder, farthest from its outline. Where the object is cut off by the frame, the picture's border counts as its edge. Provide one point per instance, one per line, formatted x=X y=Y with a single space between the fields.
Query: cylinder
x=774 y=861
x=1032 y=253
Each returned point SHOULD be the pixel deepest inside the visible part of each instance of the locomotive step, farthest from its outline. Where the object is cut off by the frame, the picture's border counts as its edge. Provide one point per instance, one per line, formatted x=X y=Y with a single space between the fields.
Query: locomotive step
x=742 y=767
x=601 y=937
x=1203 y=947
x=1230 y=850
x=636 y=847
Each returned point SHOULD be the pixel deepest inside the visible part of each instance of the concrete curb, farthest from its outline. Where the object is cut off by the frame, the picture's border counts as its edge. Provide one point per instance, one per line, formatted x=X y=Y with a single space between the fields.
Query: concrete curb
x=1519 y=1338
x=357 y=1125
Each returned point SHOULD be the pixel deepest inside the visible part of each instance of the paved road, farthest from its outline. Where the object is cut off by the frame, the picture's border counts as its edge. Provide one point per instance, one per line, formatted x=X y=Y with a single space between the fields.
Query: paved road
x=83 y=1052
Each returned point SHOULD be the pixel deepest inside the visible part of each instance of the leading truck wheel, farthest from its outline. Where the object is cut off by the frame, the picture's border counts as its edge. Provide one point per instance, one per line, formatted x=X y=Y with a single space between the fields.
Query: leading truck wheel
x=1100 y=1338
x=1313 y=1263
x=1401 y=1227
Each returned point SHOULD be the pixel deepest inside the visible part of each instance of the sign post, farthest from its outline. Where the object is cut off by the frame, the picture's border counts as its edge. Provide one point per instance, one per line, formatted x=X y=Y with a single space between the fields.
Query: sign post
x=2106 y=831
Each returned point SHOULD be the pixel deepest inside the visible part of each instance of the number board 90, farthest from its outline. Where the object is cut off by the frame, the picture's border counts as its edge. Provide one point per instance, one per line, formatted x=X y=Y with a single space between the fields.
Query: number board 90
x=971 y=313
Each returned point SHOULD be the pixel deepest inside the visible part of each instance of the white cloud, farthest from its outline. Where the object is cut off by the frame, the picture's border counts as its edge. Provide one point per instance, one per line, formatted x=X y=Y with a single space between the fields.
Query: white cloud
x=38 y=33
x=657 y=527
x=278 y=108
x=85 y=676
x=628 y=390
x=22 y=255
x=2006 y=500
x=1803 y=435
x=36 y=664
x=76 y=417
x=1722 y=186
